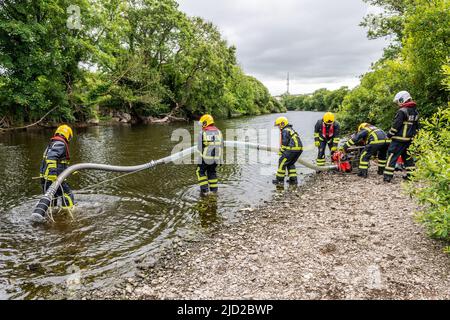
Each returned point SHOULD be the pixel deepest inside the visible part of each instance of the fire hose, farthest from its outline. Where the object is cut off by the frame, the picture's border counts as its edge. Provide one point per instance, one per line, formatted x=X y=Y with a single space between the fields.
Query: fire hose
x=40 y=210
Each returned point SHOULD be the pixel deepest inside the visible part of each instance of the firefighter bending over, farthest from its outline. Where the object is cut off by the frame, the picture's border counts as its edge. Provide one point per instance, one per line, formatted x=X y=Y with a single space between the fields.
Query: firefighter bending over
x=376 y=144
x=326 y=133
x=290 y=150
x=55 y=160
x=210 y=146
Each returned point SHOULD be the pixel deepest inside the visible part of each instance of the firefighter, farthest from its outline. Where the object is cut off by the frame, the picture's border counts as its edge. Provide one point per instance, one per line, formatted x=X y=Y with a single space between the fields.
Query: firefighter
x=404 y=128
x=210 y=146
x=55 y=160
x=326 y=133
x=290 y=150
x=376 y=144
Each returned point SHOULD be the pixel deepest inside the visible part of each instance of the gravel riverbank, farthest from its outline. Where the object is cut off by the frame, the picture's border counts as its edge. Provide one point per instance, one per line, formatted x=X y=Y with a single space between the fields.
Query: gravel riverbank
x=337 y=237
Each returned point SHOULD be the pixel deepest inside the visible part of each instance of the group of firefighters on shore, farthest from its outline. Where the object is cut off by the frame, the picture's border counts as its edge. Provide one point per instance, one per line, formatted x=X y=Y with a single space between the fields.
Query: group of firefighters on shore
x=386 y=147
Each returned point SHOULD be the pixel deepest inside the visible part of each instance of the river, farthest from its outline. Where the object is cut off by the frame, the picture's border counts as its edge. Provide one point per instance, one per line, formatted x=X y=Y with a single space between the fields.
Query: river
x=127 y=219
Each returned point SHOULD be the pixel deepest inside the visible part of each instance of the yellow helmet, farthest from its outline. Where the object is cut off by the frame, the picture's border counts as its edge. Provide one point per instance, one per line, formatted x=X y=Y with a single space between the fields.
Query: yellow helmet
x=328 y=118
x=281 y=122
x=65 y=131
x=362 y=126
x=206 y=120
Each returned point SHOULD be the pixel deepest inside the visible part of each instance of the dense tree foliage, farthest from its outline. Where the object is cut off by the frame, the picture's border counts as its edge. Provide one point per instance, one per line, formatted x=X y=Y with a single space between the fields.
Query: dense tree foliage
x=423 y=33
x=144 y=57
x=320 y=100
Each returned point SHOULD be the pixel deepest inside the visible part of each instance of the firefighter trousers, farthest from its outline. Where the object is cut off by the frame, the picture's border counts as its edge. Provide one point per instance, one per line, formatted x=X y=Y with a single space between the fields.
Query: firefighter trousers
x=322 y=148
x=207 y=177
x=397 y=149
x=64 y=192
x=286 y=165
x=377 y=150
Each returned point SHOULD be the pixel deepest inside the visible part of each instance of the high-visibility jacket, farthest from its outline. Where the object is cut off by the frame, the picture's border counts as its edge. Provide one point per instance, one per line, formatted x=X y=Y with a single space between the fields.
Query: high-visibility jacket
x=290 y=140
x=368 y=135
x=327 y=132
x=210 y=144
x=406 y=123
x=55 y=159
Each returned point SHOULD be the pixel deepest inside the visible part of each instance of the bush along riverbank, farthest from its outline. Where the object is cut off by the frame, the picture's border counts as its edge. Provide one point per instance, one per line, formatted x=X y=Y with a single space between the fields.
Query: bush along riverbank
x=336 y=237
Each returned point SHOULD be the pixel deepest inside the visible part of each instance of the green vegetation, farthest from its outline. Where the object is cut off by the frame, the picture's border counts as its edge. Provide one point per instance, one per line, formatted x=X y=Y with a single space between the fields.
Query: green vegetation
x=320 y=100
x=420 y=33
x=432 y=178
x=413 y=62
x=144 y=57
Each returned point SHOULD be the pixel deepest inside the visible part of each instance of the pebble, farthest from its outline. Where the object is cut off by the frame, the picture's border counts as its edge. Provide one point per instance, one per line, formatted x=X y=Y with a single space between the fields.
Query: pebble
x=310 y=251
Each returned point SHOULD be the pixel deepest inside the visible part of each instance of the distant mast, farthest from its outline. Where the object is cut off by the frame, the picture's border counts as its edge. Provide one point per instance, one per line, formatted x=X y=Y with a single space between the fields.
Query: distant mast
x=288 y=84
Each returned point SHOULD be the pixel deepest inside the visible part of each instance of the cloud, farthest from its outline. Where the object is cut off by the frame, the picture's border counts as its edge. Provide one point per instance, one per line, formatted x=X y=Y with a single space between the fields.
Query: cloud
x=318 y=42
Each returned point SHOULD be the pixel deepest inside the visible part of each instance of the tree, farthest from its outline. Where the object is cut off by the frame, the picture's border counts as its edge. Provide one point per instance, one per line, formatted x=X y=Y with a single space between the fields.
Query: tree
x=39 y=58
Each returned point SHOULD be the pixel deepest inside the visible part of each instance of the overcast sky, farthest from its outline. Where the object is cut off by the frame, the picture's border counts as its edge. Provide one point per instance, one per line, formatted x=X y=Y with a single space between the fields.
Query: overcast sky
x=318 y=42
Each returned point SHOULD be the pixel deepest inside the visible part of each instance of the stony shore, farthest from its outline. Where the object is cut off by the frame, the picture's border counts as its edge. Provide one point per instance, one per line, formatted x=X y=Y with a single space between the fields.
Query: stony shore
x=337 y=237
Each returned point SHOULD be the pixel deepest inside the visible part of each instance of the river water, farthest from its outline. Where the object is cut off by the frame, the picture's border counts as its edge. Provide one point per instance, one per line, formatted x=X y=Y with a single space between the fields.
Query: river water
x=127 y=219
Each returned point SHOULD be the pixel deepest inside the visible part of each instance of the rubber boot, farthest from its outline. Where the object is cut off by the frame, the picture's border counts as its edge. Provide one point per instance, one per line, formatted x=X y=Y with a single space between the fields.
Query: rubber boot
x=278 y=182
x=380 y=171
x=204 y=194
x=387 y=178
x=362 y=173
x=293 y=182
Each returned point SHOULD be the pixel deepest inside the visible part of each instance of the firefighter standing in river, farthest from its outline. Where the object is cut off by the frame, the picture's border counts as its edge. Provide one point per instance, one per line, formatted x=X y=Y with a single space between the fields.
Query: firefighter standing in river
x=326 y=133
x=55 y=160
x=376 y=144
x=210 y=146
x=290 y=150
x=403 y=131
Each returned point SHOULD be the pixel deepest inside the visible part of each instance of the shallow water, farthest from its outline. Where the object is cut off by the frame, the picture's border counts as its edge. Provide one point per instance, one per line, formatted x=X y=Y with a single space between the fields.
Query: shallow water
x=127 y=219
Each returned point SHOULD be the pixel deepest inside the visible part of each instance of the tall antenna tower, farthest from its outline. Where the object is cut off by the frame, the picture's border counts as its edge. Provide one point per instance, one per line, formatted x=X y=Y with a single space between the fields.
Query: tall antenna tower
x=288 y=83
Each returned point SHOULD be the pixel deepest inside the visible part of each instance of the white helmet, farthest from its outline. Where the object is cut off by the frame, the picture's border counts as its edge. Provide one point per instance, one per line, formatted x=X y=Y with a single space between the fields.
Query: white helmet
x=402 y=97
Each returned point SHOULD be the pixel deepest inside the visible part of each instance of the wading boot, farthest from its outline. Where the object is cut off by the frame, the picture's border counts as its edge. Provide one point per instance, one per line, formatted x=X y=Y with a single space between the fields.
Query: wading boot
x=278 y=182
x=204 y=194
x=362 y=174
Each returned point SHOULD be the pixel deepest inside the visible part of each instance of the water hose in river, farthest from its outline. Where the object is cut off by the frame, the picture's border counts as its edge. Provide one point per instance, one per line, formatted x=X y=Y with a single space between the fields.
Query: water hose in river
x=41 y=208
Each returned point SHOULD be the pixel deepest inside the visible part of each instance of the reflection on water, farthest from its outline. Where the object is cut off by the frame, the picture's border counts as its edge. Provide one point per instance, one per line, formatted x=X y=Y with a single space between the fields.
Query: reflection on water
x=119 y=222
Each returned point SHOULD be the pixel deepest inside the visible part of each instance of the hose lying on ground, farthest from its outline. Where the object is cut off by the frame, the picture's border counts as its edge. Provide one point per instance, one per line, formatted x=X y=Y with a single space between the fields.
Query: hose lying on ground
x=41 y=208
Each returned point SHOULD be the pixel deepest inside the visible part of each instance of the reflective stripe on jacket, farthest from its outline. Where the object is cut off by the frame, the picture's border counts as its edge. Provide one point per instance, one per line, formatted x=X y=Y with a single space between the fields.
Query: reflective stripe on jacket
x=210 y=143
x=406 y=123
x=290 y=141
x=368 y=135
x=55 y=159
x=334 y=128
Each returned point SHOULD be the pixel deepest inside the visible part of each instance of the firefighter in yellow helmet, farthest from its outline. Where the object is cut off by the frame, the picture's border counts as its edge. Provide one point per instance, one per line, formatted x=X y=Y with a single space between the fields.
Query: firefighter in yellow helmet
x=326 y=133
x=376 y=144
x=210 y=146
x=55 y=160
x=291 y=149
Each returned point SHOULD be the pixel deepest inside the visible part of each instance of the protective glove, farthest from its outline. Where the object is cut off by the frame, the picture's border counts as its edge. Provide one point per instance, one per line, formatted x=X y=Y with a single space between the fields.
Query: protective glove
x=317 y=143
x=333 y=149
